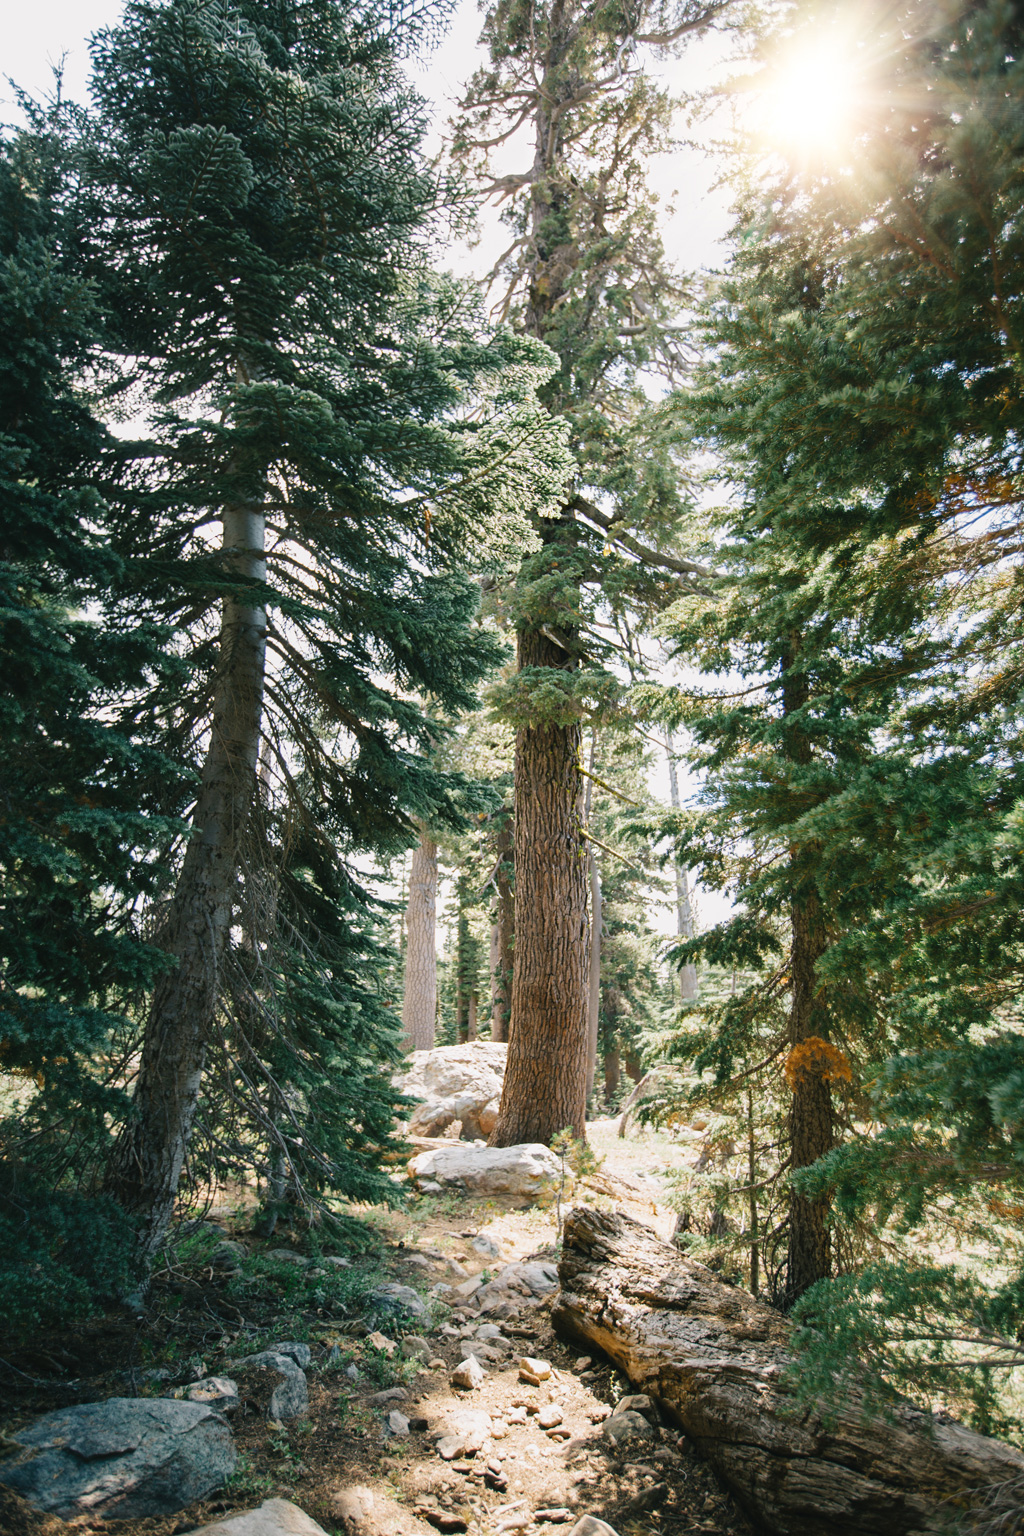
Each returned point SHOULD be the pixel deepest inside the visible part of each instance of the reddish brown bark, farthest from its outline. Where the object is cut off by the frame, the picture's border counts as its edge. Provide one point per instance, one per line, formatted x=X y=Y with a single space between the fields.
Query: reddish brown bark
x=546 y=1077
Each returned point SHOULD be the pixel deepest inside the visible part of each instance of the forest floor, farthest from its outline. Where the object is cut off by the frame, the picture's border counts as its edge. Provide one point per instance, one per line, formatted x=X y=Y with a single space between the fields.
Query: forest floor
x=521 y=1480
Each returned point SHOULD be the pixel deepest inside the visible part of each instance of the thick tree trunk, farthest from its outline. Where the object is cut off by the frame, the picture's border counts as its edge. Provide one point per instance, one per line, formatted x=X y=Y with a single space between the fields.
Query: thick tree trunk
x=545 y=1087
x=688 y=990
x=419 y=1001
x=501 y=997
x=148 y=1157
x=712 y=1357
x=471 y=1017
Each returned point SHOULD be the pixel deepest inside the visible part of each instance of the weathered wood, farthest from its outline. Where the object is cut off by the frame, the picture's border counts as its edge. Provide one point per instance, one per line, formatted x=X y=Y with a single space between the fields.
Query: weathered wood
x=713 y=1358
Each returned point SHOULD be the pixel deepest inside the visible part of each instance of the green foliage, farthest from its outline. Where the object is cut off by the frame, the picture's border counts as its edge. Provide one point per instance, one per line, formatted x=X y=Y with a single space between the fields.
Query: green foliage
x=64 y=1255
x=862 y=737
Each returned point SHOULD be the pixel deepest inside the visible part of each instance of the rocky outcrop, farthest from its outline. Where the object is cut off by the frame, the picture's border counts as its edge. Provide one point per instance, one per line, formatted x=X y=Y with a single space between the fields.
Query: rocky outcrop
x=455 y=1082
x=124 y=1459
x=713 y=1359
x=530 y=1171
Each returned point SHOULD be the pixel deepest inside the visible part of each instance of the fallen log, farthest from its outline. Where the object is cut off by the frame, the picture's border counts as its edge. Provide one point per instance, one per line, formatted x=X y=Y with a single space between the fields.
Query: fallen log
x=713 y=1358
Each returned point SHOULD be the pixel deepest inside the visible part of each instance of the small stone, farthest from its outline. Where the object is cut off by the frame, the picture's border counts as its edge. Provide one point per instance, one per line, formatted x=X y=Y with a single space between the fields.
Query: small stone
x=639 y=1402
x=599 y=1413
x=491 y=1331
x=218 y=1392
x=389 y=1395
x=398 y=1423
x=336 y=1261
x=556 y=1516
x=516 y=1416
x=627 y=1426
x=549 y=1416
x=289 y=1256
x=468 y=1376
x=583 y=1363
x=443 y=1520
x=533 y=1371
x=482 y=1352
x=415 y=1347
x=450 y=1446
x=228 y=1256
x=499 y=1429
x=590 y=1525
x=378 y=1340
x=298 y=1352
x=353 y=1372
x=437 y=1364
x=466 y=1289
x=487 y=1246
x=559 y=1433
x=354 y=1509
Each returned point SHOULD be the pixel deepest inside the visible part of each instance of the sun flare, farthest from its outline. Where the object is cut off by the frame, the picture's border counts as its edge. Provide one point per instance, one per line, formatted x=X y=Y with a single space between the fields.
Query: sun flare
x=806 y=102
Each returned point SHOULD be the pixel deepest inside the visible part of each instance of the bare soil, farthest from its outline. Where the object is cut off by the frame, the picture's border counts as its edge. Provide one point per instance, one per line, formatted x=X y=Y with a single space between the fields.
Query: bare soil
x=525 y=1480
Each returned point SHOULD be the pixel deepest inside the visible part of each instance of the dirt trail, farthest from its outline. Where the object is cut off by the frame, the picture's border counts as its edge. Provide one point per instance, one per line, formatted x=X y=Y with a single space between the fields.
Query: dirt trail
x=391 y=1448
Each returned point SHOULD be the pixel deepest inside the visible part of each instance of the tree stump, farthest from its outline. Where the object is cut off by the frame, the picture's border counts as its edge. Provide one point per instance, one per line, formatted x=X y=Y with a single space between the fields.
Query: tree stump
x=713 y=1359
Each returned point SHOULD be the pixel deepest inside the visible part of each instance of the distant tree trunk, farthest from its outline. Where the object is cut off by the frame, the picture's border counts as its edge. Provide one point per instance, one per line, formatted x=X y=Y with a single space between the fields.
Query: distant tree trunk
x=611 y=1073
x=811 y=1132
x=501 y=997
x=594 y=988
x=545 y=1087
x=688 y=989
x=419 y=1002
x=148 y=1156
x=594 y=958
x=471 y=1017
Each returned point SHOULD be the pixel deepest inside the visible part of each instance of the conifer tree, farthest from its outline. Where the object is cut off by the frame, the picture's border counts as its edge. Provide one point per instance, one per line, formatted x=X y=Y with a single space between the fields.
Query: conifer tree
x=251 y=213
x=87 y=807
x=866 y=394
x=586 y=274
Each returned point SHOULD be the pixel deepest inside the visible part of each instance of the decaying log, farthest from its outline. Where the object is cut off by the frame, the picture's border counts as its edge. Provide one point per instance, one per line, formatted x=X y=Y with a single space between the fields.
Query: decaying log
x=713 y=1358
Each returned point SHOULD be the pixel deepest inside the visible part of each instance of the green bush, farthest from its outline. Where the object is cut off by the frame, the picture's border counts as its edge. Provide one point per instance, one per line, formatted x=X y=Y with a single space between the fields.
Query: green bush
x=62 y=1254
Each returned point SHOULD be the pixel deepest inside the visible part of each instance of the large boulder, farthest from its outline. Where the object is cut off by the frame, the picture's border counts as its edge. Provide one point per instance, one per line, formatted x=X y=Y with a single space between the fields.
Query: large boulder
x=125 y=1459
x=455 y=1082
x=529 y=1171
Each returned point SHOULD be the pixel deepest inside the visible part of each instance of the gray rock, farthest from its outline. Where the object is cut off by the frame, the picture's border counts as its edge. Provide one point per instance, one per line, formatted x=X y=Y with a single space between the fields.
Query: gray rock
x=398 y=1424
x=274 y=1517
x=400 y=1298
x=228 y=1255
x=455 y=1083
x=125 y=1459
x=389 y=1395
x=298 y=1352
x=590 y=1525
x=626 y=1426
x=336 y=1261
x=530 y=1170
x=289 y=1256
x=290 y=1397
x=351 y=1371
x=637 y=1402
x=487 y=1246
x=354 y=1508
x=415 y=1347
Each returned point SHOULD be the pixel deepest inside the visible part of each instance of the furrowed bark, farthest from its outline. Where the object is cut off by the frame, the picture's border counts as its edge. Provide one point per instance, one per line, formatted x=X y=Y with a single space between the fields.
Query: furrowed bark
x=501 y=1003
x=546 y=1077
x=688 y=990
x=713 y=1358
x=419 y=999
x=148 y=1157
